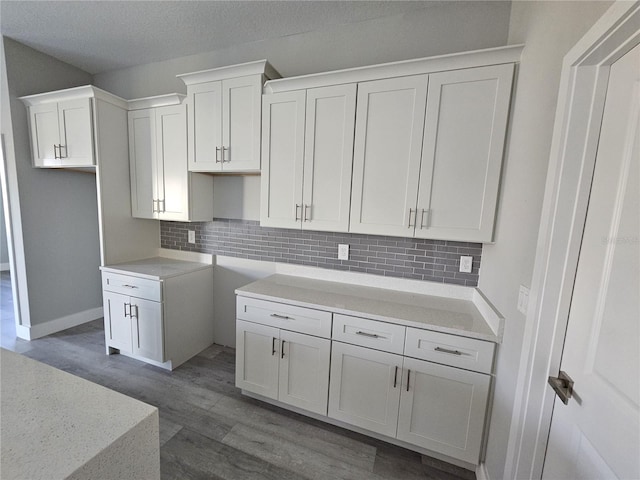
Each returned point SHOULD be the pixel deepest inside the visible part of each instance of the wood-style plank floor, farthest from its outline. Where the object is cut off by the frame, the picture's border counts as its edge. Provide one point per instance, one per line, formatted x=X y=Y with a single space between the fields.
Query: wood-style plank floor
x=208 y=430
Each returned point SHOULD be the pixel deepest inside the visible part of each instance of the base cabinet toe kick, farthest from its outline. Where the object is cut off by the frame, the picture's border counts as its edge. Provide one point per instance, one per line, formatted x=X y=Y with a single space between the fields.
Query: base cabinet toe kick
x=422 y=389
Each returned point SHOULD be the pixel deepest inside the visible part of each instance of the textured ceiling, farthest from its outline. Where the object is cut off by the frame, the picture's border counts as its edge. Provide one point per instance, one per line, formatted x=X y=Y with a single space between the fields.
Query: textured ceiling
x=99 y=36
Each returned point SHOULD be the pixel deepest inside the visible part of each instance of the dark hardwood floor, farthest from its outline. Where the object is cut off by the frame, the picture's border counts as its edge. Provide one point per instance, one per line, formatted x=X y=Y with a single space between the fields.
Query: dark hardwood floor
x=208 y=430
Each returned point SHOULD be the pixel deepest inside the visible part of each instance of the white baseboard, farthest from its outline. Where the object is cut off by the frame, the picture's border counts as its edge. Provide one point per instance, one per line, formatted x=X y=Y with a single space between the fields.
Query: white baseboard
x=4 y=267
x=481 y=472
x=58 y=324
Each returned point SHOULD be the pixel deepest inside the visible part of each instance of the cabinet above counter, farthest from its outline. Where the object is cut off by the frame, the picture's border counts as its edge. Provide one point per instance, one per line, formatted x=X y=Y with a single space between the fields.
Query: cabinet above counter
x=465 y=313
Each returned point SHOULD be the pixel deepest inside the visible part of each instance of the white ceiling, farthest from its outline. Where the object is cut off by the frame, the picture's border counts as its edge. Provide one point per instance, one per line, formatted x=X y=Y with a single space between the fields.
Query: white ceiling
x=99 y=36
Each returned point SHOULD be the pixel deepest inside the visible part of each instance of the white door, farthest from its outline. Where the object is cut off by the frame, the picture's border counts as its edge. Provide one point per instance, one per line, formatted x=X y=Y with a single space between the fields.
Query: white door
x=364 y=389
x=304 y=371
x=117 y=322
x=45 y=134
x=257 y=358
x=282 y=154
x=76 y=133
x=465 y=129
x=443 y=409
x=142 y=145
x=205 y=127
x=171 y=174
x=146 y=317
x=386 y=158
x=328 y=158
x=241 y=107
x=597 y=434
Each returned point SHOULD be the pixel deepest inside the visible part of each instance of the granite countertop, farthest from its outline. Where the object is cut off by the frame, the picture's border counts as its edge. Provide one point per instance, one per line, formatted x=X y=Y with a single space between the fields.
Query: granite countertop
x=448 y=315
x=54 y=423
x=156 y=268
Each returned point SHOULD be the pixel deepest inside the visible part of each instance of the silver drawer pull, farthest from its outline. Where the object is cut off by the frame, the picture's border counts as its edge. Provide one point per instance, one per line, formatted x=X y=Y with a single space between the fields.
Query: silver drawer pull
x=283 y=317
x=445 y=350
x=365 y=334
x=129 y=286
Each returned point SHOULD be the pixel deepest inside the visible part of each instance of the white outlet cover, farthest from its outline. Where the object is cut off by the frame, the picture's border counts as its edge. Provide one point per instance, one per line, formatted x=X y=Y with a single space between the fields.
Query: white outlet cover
x=192 y=236
x=466 y=264
x=343 y=251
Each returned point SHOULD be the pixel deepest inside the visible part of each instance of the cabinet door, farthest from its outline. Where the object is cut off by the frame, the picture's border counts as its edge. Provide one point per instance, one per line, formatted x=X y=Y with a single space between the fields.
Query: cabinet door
x=241 y=107
x=304 y=371
x=117 y=323
x=387 y=151
x=328 y=157
x=76 y=133
x=443 y=409
x=148 y=338
x=365 y=387
x=142 y=145
x=171 y=162
x=282 y=155
x=205 y=127
x=465 y=129
x=257 y=358
x=45 y=133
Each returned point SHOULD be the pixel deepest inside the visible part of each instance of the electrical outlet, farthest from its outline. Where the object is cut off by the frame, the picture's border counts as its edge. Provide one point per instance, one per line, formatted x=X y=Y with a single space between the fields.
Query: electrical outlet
x=192 y=236
x=343 y=252
x=466 y=264
x=523 y=299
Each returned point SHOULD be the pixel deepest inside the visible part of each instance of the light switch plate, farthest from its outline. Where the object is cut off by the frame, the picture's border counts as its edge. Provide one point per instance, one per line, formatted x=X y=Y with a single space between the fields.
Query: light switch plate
x=192 y=236
x=466 y=264
x=343 y=251
x=523 y=299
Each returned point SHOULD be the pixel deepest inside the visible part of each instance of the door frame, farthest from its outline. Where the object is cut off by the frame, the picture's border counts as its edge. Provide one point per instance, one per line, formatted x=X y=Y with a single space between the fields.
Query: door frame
x=583 y=84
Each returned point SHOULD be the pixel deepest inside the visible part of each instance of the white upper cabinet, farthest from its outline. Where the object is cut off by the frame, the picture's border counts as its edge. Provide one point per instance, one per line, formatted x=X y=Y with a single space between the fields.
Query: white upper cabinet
x=465 y=129
x=224 y=119
x=386 y=164
x=307 y=158
x=161 y=186
x=62 y=133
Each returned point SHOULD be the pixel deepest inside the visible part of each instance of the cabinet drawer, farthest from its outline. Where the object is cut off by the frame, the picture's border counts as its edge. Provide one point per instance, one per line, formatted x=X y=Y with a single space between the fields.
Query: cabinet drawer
x=132 y=286
x=468 y=353
x=369 y=333
x=287 y=317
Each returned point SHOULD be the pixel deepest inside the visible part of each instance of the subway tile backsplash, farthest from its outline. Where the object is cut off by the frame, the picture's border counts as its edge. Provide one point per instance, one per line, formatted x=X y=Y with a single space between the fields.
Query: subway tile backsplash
x=431 y=260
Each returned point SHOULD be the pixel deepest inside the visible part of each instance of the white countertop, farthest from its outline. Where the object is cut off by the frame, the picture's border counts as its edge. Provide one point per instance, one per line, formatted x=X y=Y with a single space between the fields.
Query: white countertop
x=449 y=315
x=54 y=423
x=156 y=268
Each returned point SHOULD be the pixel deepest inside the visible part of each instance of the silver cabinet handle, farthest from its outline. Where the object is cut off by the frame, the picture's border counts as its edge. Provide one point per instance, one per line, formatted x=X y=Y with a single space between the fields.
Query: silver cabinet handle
x=227 y=149
x=365 y=334
x=408 y=375
x=138 y=329
x=273 y=346
x=217 y=155
x=446 y=350
x=428 y=212
x=55 y=153
x=306 y=209
x=163 y=206
x=60 y=150
x=282 y=351
x=297 y=207
x=154 y=208
x=395 y=377
x=131 y=314
x=283 y=317
x=129 y=286
x=414 y=213
x=125 y=310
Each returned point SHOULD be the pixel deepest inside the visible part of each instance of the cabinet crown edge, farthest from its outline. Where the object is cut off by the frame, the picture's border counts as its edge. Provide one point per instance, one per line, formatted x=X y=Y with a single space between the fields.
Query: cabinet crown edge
x=156 y=101
x=84 y=91
x=426 y=65
x=259 y=67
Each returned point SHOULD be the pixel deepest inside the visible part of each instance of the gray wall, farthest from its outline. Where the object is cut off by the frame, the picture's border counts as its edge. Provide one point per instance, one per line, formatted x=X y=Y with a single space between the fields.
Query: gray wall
x=548 y=30
x=58 y=208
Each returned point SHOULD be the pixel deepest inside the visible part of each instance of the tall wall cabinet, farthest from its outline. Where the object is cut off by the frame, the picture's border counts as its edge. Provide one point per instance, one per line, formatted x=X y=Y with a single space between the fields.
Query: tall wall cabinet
x=414 y=148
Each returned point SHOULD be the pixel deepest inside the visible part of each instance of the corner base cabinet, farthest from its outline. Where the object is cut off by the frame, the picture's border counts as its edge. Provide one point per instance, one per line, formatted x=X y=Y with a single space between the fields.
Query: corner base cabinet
x=158 y=310
x=418 y=388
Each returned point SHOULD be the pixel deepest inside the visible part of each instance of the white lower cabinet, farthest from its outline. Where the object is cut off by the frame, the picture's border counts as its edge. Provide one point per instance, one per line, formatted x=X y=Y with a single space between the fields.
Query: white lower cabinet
x=287 y=366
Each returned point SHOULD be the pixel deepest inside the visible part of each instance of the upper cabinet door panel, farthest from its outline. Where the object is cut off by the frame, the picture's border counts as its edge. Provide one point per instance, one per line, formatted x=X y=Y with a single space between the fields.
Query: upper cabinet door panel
x=283 y=118
x=328 y=157
x=388 y=144
x=45 y=134
x=172 y=174
x=241 y=105
x=142 y=144
x=76 y=135
x=205 y=129
x=466 y=121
